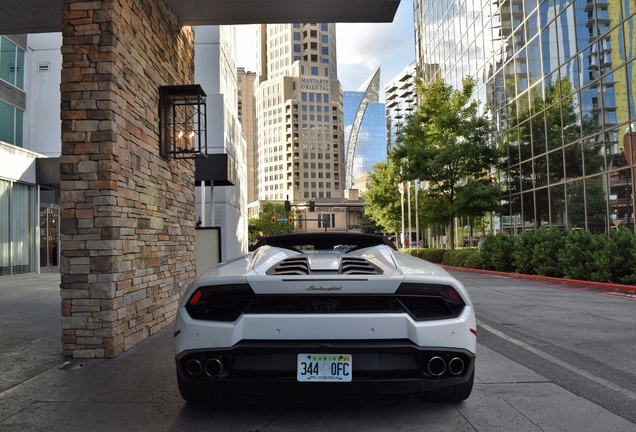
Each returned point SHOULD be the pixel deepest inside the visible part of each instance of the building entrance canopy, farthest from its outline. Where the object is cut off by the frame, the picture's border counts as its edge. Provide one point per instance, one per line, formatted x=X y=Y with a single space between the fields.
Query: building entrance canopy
x=40 y=16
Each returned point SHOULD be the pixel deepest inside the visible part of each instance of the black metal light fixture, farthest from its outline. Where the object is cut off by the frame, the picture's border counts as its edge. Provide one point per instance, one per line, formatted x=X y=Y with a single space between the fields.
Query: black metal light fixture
x=182 y=122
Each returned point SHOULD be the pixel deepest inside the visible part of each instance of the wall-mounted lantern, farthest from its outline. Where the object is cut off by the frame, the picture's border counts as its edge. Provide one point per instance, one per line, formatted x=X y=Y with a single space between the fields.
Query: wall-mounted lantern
x=182 y=122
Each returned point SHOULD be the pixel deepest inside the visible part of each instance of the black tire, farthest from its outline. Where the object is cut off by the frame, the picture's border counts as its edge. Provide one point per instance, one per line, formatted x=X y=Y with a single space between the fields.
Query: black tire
x=199 y=394
x=456 y=393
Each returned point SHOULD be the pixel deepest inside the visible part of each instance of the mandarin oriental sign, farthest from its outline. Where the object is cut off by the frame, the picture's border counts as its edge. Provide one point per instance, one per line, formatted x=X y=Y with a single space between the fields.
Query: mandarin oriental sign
x=314 y=83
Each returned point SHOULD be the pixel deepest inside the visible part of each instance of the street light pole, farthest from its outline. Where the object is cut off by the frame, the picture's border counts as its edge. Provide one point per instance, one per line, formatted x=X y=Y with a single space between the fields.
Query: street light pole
x=417 y=216
x=402 y=206
x=408 y=195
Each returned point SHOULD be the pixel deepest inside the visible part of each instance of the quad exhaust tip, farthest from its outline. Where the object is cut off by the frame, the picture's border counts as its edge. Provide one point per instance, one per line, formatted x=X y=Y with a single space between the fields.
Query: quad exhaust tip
x=213 y=367
x=456 y=366
x=437 y=366
x=194 y=367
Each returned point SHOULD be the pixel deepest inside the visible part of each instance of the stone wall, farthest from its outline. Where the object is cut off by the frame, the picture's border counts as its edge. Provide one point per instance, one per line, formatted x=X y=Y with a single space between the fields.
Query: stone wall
x=128 y=215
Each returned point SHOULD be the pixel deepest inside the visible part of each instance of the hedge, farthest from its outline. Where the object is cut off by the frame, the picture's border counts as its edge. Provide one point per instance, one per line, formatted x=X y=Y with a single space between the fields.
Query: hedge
x=569 y=253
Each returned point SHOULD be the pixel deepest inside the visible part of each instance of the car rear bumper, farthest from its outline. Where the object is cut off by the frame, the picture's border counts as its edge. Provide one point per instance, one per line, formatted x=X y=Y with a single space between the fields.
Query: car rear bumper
x=378 y=367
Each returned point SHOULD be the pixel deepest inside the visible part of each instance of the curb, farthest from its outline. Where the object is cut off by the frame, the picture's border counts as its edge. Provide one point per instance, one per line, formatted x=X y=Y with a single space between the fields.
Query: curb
x=588 y=284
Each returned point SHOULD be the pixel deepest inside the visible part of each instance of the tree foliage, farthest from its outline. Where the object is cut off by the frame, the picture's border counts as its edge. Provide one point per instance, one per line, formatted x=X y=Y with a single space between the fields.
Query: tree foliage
x=264 y=221
x=446 y=143
x=383 y=198
x=368 y=225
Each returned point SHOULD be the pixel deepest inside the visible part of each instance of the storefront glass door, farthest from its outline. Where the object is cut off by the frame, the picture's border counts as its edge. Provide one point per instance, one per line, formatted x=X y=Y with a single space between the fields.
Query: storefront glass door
x=49 y=238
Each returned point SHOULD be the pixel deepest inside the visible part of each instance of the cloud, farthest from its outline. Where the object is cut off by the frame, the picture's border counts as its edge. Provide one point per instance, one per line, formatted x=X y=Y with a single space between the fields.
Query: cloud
x=368 y=43
x=363 y=47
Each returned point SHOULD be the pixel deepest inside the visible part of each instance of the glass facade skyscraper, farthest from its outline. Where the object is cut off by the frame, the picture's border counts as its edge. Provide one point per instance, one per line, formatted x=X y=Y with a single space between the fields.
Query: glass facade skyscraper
x=365 y=129
x=557 y=80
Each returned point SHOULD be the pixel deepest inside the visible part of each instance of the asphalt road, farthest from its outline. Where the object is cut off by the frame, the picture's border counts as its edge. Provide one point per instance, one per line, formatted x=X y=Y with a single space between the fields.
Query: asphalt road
x=549 y=358
x=582 y=339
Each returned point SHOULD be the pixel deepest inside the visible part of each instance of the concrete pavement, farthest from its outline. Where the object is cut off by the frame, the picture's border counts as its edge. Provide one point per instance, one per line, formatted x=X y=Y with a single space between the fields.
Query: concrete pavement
x=42 y=391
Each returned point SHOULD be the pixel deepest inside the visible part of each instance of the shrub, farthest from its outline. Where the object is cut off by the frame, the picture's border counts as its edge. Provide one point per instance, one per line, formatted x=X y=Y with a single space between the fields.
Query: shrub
x=458 y=257
x=538 y=250
x=474 y=260
x=497 y=252
x=546 y=251
x=522 y=253
x=621 y=254
x=577 y=256
x=432 y=255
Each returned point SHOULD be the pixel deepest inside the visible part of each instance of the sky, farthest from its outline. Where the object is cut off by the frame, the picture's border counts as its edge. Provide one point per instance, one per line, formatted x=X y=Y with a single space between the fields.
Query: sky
x=362 y=48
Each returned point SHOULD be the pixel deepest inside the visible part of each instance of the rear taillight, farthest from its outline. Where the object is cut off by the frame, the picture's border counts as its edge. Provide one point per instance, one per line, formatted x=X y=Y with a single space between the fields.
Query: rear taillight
x=425 y=301
x=196 y=297
x=219 y=302
x=447 y=292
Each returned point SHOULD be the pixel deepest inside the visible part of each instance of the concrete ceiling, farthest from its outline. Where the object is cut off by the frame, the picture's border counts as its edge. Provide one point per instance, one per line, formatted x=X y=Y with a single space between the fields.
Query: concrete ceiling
x=40 y=16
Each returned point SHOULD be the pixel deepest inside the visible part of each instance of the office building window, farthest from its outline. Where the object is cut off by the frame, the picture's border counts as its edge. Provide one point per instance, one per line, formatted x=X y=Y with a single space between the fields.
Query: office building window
x=17 y=236
x=11 y=124
x=11 y=63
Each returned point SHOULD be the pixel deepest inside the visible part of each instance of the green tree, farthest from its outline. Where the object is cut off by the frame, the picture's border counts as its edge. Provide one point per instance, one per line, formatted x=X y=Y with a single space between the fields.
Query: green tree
x=382 y=197
x=446 y=143
x=368 y=226
x=264 y=221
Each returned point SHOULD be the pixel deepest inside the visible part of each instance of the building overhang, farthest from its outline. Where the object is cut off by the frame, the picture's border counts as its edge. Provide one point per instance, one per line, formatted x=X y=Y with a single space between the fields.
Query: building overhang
x=42 y=16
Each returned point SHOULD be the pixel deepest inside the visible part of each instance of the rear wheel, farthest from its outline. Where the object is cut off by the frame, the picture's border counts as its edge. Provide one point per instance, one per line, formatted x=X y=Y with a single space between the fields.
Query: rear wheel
x=456 y=393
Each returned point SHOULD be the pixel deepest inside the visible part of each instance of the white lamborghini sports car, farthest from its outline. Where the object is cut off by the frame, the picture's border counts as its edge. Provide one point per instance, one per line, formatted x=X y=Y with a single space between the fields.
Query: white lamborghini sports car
x=326 y=312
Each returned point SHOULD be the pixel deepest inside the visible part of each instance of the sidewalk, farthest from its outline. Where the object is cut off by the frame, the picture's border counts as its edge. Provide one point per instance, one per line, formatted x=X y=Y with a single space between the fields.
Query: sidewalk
x=30 y=326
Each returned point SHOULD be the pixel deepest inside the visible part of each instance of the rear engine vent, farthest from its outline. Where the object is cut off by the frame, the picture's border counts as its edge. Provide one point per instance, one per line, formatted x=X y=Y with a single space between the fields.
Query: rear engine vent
x=299 y=265
x=296 y=265
x=357 y=266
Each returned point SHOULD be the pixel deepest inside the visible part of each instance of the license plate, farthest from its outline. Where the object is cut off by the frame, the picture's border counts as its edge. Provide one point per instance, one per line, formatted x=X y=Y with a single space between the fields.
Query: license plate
x=324 y=367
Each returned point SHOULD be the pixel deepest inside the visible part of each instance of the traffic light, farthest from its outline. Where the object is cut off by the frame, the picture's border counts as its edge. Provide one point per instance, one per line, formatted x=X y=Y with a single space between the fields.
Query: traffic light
x=312 y=206
x=290 y=219
x=273 y=219
x=287 y=206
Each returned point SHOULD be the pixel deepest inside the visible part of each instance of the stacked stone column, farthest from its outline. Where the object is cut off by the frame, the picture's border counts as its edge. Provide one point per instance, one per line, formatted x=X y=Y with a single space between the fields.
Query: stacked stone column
x=128 y=214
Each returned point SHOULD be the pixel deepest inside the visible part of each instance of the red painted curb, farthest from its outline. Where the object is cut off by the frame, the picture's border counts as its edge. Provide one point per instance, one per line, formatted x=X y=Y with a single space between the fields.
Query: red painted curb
x=588 y=284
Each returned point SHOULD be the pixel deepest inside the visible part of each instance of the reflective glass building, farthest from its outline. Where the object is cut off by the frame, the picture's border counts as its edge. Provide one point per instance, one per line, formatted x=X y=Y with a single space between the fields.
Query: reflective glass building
x=364 y=129
x=557 y=80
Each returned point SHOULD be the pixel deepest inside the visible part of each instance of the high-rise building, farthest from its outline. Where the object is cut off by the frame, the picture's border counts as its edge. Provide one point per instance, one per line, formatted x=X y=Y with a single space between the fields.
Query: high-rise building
x=224 y=203
x=557 y=79
x=365 y=129
x=400 y=98
x=299 y=114
x=246 y=81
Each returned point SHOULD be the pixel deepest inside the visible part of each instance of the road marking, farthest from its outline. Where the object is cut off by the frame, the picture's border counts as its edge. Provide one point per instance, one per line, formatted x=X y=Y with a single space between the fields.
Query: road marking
x=558 y=362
